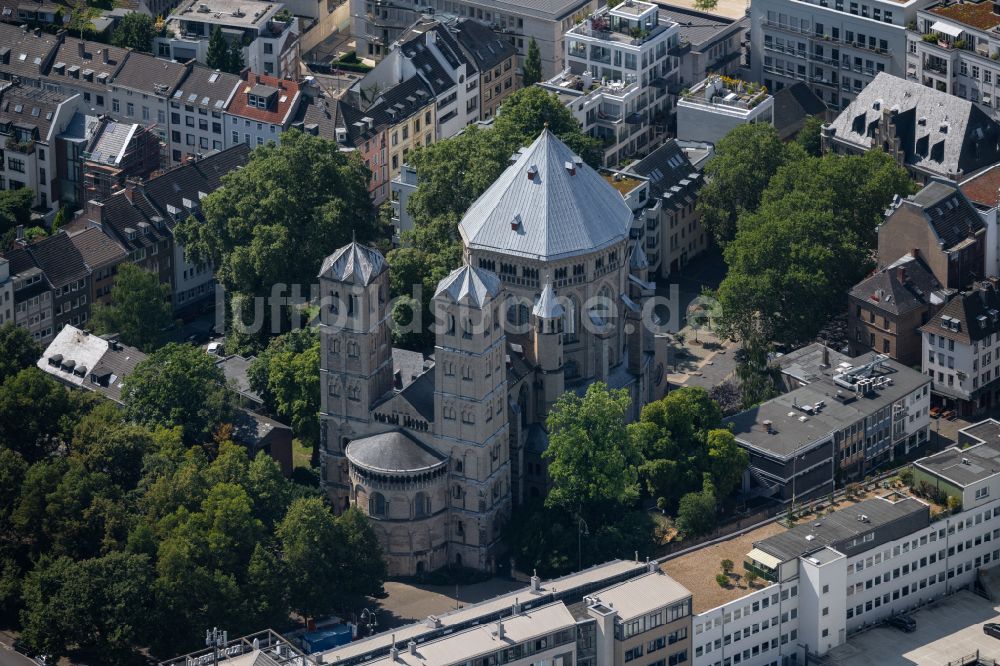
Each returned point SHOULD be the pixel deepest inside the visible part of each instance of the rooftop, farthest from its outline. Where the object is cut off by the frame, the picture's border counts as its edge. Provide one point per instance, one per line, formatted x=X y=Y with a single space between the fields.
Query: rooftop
x=698 y=27
x=983 y=189
x=630 y=23
x=987 y=431
x=967 y=466
x=723 y=91
x=840 y=528
x=975 y=14
x=969 y=317
x=395 y=451
x=240 y=13
x=283 y=97
x=621 y=182
x=89 y=361
x=642 y=595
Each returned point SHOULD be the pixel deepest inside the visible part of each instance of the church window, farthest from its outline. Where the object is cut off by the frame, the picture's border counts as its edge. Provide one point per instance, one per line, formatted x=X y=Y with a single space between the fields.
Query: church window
x=449 y=369
x=448 y=413
x=352 y=348
x=499 y=405
x=560 y=273
x=459 y=527
x=459 y=465
x=335 y=346
x=334 y=390
x=353 y=393
x=335 y=302
x=421 y=505
x=579 y=269
x=457 y=494
x=496 y=318
x=467 y=329
x=467 y=372
x=376 y=504
x=467 y=417
x=451 y=325
x=352 y=303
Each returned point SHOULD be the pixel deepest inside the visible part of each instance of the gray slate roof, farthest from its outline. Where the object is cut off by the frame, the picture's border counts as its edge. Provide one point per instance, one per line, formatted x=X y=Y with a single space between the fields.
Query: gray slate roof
x=393 y=451
x=485 y=46
x=548 y=307
x=469 y=286
x=939 y=133
x=354 y=263
x=554 y=214
x=903 y=286
x=964 y=466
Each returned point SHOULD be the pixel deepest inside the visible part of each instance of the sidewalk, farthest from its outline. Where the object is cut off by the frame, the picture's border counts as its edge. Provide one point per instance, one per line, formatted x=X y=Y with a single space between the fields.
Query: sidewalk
x=705 y=363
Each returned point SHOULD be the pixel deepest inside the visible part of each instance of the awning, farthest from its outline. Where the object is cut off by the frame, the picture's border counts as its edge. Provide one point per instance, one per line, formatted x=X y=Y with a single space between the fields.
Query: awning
x=768 y=560
x=946 y=28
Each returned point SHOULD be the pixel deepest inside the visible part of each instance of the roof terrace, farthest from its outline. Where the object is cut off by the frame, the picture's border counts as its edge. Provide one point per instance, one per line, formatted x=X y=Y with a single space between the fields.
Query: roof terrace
x=724 y=91
x=631 y=23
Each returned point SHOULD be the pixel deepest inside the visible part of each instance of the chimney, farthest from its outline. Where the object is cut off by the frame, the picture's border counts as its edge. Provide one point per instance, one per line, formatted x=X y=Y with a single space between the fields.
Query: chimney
x=532 y=172
x=38 y=32
x=393 y=651
x=95 y=212
x=19 y=237
x=767 y=427
x=500 y=633
x=82 y=48
x=901 y=274
x=536 y=582
x=826 y=356
x=104 y=55
x=915 y=252
x=412 y=647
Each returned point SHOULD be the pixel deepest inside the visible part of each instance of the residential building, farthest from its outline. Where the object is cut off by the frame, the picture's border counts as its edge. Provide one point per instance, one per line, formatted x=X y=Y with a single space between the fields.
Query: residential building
x=930 y=133
x=25 y=54
x=713 y=107
x=6 y=293
x=851 y=419
x=402 y=187
x=261 y=108
x=35 y=12
x=67 y=275
x=436 y=452
x=808 y=364
x=101 y=364
x=793 y=105
x=117 y=151
x=87 y=68
x=197 y=108
x=960 y=350
x=983 y=192
x=941 y=227
x=426 y=51
x=708 y=43
x=376 y=24
x=952 y=47
x=837 y=47
x=495 y=61
x=101 y=255
x=144 y=87
x=615 y=80
x=671 y=233
x=31 y=119
x=32 y=295
x=886 y=310
x=270 y=38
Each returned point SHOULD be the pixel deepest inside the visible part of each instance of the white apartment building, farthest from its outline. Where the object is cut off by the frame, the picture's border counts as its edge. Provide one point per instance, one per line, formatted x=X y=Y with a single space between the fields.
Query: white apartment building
x=376 y=24
x=953 y=47
x=6 y=293
x=615 y=81
x=270 y=39
x=715 y=106
x=961 y=350
x=836 y=46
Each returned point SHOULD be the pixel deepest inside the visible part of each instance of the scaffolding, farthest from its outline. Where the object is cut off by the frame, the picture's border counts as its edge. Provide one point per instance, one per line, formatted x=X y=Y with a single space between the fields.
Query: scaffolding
x=141 y=155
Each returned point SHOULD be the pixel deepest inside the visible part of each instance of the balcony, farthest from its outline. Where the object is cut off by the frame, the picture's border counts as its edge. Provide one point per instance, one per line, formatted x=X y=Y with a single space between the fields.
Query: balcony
x=26 y=147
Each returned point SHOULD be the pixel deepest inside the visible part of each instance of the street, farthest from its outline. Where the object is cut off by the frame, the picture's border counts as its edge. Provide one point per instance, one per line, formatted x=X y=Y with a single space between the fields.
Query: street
x=7 y=655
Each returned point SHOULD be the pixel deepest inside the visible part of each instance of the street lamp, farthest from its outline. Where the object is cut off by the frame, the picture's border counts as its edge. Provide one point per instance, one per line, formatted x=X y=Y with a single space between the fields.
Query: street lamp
x=581 y=531
x=216 y=639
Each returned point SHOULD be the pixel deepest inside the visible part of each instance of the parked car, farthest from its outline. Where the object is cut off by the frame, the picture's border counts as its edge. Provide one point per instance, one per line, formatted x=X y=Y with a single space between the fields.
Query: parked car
x=992 y=629
x=903 y=622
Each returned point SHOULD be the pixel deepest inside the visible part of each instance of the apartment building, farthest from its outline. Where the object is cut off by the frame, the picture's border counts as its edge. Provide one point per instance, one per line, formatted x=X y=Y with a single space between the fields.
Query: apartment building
x=270 y=38
x=260 y=109
x=849 y=420
x=708 y=44
x=31 y=120
x=6 y=293
x=101 y=255
x=886 y=310
x=713 y=107
x=953 y=48
x=197 y=109
x=32 y=295
x=494 y=59
x=52 y=286
x=838 y=47
x=961 y=350
x=113 y=152
x=671 y=232
x=376 y=24
x=25 y=54
x=941 y=227
x=930 y=133
x=618 y=63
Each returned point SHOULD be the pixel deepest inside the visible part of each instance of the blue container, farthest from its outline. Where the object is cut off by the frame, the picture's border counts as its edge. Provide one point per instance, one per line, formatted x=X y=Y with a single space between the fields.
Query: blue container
x=326 y=639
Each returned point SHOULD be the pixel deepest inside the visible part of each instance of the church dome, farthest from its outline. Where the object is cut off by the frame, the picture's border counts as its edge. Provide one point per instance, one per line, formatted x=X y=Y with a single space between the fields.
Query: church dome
x=548 y=205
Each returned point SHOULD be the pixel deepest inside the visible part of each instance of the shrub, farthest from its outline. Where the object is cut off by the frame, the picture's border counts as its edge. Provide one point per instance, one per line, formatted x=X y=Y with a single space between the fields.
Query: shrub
x=751 y=578
x=722 y=580
x=727 y=566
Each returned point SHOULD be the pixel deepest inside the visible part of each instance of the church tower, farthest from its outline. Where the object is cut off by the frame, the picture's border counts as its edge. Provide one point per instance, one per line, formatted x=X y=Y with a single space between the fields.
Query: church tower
x=355 y=356
x=470 y=406
x=547 y=338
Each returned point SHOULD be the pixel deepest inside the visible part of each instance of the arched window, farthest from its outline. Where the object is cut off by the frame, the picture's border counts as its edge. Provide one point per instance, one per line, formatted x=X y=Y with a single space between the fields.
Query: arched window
x=421 y=505
x=376 y=504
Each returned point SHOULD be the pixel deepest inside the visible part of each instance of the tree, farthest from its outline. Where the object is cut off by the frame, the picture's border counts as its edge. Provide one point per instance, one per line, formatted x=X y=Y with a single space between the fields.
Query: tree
x=696 y=513
x=17 y=350
x=31 y=408
x=100 y=606
x=139 y=310
x=727 y=461
x=751 y=578
x=218 y=51
x=178 y=385
x=727 y=566
x=274 y=221
x=235 y=63
x=364 y=572
x=809 y=136
x=15 y=209
x=531 y=72
x=286 y=375
x=745 y=159
x=311 y=550
x=135 y=31
x=705 y=5
x=722 y=580
x=591 y=458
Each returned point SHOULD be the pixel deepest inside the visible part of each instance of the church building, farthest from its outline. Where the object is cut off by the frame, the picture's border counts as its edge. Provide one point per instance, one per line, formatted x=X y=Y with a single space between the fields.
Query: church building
x=549 y=299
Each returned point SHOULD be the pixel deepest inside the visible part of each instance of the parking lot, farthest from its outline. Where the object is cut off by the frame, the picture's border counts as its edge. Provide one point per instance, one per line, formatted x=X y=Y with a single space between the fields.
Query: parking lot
x=946 y=631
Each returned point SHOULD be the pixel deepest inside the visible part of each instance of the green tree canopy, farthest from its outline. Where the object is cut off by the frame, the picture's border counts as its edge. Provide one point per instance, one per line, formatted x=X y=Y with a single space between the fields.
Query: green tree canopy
x=286 y=375
x=218 y=51
x=275 y=220
x=31 y=408
x=135 y=31
x=15 y=209
x=139 y=310
x=809 y=136
x=592 y=463
x=696 y=513
x=178 y=385
x=17 y=350
x=531 y=72
x=235 y=63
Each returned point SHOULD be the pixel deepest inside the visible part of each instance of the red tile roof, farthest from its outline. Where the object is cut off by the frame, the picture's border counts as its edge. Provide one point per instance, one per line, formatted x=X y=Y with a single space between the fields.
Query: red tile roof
x=287 y=99
x=983 y=189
